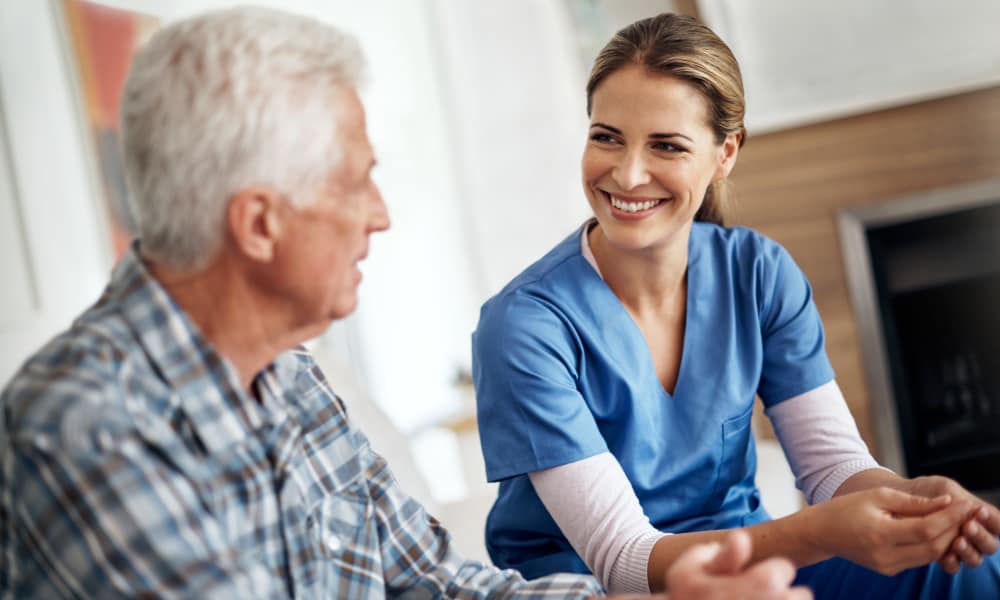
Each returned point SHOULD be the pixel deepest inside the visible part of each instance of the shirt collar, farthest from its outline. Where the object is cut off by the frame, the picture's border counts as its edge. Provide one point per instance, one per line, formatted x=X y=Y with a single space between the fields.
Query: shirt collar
x=203 y=382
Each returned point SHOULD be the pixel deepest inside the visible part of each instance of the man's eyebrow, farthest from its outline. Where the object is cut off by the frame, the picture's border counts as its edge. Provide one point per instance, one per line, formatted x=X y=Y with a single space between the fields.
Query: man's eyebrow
x=652 y=136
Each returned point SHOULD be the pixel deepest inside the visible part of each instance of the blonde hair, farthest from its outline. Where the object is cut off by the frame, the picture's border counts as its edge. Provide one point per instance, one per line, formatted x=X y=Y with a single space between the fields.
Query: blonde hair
x=682 y=47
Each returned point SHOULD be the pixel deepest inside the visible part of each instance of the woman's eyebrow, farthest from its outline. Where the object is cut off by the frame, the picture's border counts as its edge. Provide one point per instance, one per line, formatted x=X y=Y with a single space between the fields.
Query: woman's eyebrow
x=608 y=127
x=667 y=136
x=652 y=136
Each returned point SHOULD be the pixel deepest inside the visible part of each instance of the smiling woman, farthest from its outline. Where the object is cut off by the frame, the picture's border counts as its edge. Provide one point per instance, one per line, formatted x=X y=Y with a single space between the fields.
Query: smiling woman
x=650 y=158
x=616 y=376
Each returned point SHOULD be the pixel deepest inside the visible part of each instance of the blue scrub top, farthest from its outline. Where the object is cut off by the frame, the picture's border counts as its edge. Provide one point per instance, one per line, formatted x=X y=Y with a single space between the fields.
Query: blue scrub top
x=562 y=372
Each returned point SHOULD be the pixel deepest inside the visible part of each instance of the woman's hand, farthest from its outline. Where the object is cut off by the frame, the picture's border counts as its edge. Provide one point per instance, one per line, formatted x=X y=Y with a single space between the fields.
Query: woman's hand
x=886 y=529
x=977 y=536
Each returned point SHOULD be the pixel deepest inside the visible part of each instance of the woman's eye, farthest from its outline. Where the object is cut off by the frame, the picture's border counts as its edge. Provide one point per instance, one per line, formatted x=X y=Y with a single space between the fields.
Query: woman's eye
x=667 y=147
x=602 y=138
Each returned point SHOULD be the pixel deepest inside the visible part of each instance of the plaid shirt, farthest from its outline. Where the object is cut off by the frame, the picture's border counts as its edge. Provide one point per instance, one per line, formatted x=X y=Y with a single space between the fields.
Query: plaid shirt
x=135 y=465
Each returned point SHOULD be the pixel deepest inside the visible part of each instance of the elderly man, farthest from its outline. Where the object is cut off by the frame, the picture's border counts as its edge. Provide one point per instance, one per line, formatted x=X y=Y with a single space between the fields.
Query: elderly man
x=176 y=441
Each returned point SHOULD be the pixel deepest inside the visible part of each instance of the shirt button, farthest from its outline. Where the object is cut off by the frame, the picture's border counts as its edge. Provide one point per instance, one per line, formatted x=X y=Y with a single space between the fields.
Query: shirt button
x=105 y=440
x=333 y=542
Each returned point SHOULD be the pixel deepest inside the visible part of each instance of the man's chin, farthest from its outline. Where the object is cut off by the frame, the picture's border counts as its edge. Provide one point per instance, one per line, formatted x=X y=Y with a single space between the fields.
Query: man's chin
x=343 y=310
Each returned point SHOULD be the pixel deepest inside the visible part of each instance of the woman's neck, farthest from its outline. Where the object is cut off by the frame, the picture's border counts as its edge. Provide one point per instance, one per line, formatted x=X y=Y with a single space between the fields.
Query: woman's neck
x=643 y=279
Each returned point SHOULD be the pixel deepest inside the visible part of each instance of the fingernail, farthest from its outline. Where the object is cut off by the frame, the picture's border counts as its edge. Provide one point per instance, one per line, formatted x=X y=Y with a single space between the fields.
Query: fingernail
x=984 y=513
x=973 y=529
x=960 y=544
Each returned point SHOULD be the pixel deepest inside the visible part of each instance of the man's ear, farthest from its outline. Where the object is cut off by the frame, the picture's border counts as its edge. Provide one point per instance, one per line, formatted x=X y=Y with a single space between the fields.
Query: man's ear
x=728 y=152
x=255 y=219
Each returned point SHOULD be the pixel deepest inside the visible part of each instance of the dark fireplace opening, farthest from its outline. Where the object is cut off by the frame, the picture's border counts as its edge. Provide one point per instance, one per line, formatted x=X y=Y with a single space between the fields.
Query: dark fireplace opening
x=925 y=279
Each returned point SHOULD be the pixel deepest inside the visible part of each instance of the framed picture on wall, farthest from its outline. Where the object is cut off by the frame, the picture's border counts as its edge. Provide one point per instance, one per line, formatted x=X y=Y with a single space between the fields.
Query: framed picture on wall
x=100 y=42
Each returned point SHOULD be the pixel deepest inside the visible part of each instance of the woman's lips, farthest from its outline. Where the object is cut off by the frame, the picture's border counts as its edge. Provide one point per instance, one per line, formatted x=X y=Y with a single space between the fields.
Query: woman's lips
x=632 y=207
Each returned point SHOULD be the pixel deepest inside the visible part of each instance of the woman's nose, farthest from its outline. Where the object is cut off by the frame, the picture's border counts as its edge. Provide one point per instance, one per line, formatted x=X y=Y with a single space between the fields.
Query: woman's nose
x=631 y=171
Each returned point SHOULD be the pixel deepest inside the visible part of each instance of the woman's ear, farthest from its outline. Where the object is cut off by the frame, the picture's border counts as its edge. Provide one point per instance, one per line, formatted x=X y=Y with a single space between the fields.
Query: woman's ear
x=728 y=151
x=255 y=219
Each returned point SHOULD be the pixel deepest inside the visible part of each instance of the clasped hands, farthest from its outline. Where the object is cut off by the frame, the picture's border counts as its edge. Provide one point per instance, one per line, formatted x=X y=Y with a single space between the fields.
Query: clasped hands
x=908 y=523
x=898 y=525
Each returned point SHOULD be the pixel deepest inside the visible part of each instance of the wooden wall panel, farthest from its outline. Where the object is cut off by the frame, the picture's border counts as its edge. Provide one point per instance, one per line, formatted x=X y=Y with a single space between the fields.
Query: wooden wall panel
x=791 y=184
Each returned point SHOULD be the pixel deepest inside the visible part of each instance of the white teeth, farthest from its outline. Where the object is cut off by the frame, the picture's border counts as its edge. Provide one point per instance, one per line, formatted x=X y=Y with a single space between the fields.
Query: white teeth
x=633 y=206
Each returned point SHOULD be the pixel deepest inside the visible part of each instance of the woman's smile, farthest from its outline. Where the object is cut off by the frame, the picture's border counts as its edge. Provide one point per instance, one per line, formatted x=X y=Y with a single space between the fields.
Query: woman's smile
x=632 y=207
x=650 y=156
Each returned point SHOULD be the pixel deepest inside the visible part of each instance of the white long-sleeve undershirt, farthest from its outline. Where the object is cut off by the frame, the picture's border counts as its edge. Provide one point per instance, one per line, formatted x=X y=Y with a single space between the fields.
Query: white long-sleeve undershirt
x=595 y=507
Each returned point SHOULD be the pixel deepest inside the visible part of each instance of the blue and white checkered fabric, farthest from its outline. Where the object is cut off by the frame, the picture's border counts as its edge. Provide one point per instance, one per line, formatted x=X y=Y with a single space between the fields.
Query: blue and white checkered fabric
x=135 y=465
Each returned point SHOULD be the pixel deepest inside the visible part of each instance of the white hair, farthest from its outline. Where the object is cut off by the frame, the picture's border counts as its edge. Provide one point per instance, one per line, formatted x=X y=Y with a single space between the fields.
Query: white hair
x=222 y=101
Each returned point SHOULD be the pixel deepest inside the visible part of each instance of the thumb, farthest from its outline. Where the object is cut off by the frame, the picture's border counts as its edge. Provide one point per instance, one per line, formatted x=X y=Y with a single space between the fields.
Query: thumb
x=909 y=505
x=733 y=556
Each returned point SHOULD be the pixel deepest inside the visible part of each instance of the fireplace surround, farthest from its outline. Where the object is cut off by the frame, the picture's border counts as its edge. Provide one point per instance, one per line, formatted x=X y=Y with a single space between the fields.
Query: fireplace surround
x=924 y=277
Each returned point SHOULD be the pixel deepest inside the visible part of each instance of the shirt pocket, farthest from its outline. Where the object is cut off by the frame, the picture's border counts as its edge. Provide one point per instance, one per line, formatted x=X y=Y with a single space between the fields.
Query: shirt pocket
x=340 y=521
x=341 y=529
x=736 y=460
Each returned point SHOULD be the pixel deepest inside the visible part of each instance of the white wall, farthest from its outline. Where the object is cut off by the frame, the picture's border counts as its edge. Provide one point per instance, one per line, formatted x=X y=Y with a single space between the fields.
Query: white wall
x=810 y=61
x=515 y=84
x=54 y=262
x=411 y=333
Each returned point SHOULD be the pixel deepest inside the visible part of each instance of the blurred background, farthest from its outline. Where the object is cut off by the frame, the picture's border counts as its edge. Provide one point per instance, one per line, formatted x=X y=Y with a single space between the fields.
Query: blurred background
x=863 y=115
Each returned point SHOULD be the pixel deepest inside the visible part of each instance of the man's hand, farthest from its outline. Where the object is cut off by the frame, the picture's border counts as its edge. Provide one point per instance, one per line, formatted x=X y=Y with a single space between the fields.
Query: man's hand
x=718 y=572
x=978 y=534
x=714 y=571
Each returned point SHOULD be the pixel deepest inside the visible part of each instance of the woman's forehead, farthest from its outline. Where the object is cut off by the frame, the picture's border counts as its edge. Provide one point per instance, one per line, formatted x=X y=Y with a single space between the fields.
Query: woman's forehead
x=634 y=98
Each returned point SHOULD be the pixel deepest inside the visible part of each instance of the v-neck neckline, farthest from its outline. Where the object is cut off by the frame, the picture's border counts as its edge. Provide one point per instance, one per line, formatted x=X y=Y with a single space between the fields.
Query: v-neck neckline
x=637 y=331
x=650 y=364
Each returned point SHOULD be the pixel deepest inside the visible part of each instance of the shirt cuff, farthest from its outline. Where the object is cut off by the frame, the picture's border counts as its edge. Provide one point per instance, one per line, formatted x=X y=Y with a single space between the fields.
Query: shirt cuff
x=630 y=574
x=832 y=482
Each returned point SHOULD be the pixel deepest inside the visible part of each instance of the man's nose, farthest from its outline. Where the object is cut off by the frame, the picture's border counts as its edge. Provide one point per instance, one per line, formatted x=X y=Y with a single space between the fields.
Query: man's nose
x=631 y=170
x=378 y=219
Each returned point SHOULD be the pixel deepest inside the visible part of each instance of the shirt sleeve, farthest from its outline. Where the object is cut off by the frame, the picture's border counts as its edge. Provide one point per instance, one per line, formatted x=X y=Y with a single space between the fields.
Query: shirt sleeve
x=597 y=510
x=526 y=361
x=417 y=553
x=794 y=356
x=821 y=440
x=119 y=522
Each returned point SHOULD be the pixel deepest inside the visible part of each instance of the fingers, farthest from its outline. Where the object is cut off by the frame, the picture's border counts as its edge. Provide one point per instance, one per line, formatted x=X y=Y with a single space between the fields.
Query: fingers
x=733 y=556
x=923 y=529
x=772 y=575
x=966 y=552
x=924 y=550
x=979 y=537
x=718 y=571
x=909 y=505
x=687 y=577
x=950 y=563
x=989 y=516
x=694 y=560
